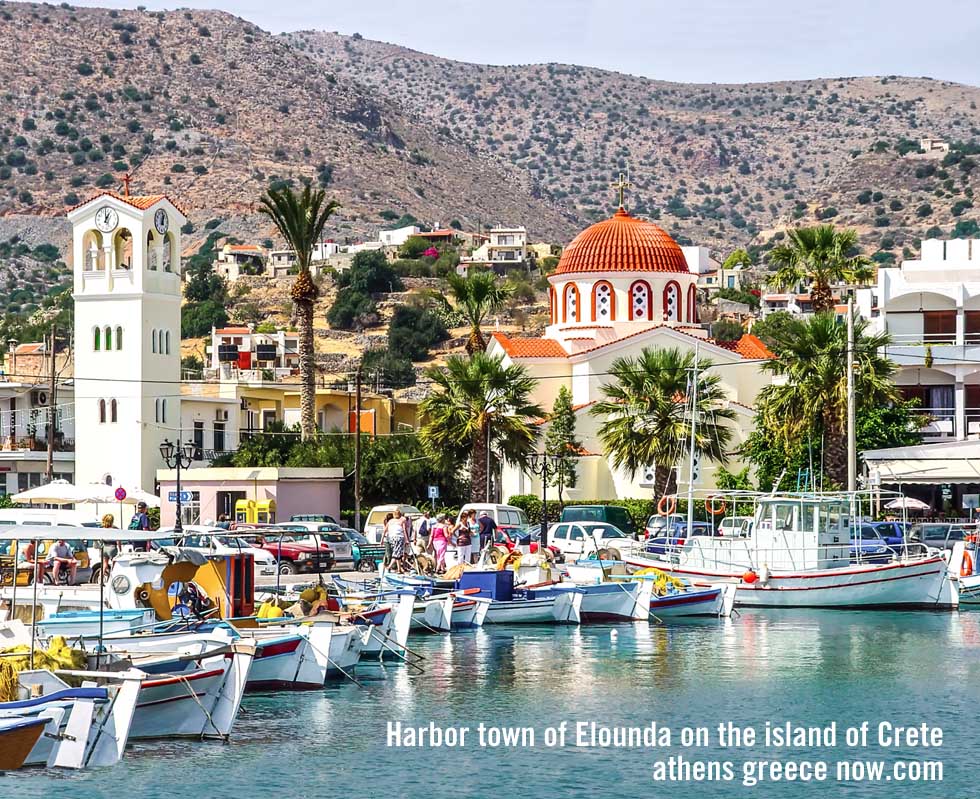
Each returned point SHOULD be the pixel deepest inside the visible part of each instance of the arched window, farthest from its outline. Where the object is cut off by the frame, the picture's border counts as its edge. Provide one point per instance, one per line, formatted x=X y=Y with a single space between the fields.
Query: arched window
x=552 y=309
x=163 y=411
x=108 y=338
x=672 y=302
x=641 y=308
x=97 y=339
x=156 y=410
x=124 y=249
x=151 y=255
x=603 y=303
x=153 y=340
x=113 y=416
x=101 y=411
x=573 y=311
x=169 y=252
x=118 y=337
x=692 y=303
x=93 y=253
x=167 y=337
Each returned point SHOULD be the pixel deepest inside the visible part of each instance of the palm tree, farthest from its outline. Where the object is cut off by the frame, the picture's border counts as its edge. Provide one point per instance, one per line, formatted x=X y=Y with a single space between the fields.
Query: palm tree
x=648 y=419
x=812 y=395
x=476 y=402
x=822 y=255
x=300 y=219
x=476 y=296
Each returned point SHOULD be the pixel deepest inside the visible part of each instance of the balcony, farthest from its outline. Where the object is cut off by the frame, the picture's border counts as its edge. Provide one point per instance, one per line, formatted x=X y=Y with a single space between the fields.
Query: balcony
x=35 y=444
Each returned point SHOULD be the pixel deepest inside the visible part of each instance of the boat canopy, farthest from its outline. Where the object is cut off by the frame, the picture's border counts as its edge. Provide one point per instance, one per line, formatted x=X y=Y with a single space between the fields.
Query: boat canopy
x=48 y=532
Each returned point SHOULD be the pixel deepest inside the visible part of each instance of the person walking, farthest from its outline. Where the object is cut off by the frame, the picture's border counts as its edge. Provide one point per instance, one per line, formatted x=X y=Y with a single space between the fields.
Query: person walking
x=398 y=538
x=386 y=539
x=423 y=529
x=140 y=521
x=439 y=540
x=487 y=528
x=463 y=538
x=110 y=549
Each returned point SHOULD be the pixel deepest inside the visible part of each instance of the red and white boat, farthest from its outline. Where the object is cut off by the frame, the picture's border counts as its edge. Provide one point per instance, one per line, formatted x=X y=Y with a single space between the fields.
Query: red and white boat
x=798 y=554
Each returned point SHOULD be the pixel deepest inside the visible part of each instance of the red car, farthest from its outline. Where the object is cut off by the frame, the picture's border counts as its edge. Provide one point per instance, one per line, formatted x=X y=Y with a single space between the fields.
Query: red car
x=292 y=556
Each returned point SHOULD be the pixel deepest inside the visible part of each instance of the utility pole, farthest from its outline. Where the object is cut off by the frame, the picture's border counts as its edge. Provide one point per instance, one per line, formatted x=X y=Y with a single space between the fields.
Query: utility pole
x=49 y=467
x=357 y=449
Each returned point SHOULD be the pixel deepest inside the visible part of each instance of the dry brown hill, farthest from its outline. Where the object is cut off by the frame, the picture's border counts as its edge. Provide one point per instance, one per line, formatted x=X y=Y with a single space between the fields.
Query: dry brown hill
x=717 y=163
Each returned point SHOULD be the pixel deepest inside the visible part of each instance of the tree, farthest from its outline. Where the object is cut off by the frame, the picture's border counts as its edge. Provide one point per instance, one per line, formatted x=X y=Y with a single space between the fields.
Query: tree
x=300 y=219
x=352 y=310
x=475 y=297
x=560 y=441
x=726 y=330
x=370 y=273
x=392 y=369
x=812 y=397
x=413 y=247
x=647 y=419
x=413 y=330
x=478 y=402
x=821 y=255
x=197 y=318
x=739 y=259
x=772 y=329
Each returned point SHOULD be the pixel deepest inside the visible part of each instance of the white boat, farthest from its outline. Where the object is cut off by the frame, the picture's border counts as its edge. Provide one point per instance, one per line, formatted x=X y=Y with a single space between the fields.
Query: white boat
x=434 y=614
x=610 y=594
x=541 y=607
x=87 y=726
x=293 y=657
x=469 y=610
x=798 y=554
x=387 y=639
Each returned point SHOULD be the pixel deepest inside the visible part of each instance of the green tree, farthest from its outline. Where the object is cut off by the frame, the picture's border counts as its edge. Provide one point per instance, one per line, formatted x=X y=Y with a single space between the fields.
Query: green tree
x=560 y=441
x=811 y=398
x=370 y=273
x=726 y=330
x=475 y=297
x=821 y=255
x=413 y=247
x=352 y=310
x=739 y=258
x=197 y=318
x=413 y=330
x=392 y=369
x=647 y=418
x=478 y=402
x=772 y=329
x=300 y=219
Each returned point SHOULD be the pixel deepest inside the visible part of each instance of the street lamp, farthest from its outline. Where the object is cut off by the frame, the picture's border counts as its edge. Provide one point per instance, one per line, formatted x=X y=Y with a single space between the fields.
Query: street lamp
x=177 y=456
x=537 y=463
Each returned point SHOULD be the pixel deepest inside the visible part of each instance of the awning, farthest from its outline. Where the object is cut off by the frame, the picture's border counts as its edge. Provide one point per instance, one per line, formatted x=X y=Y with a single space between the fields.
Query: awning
x=926 y=464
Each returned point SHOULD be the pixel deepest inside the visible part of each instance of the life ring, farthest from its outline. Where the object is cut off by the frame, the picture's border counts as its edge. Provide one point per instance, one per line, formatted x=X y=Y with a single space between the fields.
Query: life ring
x=966 y=565
x=713 y=508
x=667 y=505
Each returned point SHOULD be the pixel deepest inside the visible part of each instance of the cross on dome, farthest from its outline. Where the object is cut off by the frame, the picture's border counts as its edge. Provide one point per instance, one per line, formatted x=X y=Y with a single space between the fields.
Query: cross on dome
x=622 y=185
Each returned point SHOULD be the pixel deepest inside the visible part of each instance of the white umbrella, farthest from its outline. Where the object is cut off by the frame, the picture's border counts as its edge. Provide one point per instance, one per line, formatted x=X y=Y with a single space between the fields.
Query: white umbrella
x=907 y=503
x=57 y=492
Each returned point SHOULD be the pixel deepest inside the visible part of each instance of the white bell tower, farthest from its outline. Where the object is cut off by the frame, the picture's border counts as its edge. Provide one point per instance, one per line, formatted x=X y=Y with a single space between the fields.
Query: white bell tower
x=127 y=294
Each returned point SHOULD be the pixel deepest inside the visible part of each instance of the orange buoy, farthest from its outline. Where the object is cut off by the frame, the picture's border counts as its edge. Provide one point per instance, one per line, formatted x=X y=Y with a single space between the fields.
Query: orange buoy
x=966 y=565
x=750 y=577
x=667 y=505
x=715 y=505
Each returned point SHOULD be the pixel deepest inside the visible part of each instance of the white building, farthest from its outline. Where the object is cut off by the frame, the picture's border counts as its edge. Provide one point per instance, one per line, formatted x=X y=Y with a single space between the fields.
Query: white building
x=233 y=260
x=24 y=415
x=504 y=249
x=622 y=285
x=398 y=236
x=240 y=354
x=931 y=308
x=127 y=293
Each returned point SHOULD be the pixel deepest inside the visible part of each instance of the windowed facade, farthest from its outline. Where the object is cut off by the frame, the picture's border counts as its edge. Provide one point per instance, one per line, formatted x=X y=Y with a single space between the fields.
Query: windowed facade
x=672 y=302
x=603 y=303
x=571 y=303
x=641 y=308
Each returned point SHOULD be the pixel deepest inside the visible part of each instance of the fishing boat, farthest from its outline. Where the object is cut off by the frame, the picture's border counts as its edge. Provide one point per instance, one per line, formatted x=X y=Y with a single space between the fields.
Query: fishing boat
x=469 y=610
x=83 y=727
x=610 y=594
x=18 y=736
x=797 y=554
x=541 y=604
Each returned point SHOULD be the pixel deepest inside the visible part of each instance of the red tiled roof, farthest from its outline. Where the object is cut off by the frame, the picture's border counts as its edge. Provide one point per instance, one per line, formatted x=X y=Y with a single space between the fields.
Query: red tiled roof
x=232 y=331
x=748 y=346
x=530 y=347
x=443 y=233
x=140 y=201
x=30 y=348
x=244 y=248
x=622 y=243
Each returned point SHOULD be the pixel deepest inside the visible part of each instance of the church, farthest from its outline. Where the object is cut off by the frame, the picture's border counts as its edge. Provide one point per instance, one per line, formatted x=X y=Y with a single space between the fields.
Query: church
x=621 y=286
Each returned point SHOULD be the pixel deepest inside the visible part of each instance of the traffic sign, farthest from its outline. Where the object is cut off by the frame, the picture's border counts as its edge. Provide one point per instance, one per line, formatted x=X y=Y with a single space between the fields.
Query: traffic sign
x=433 y=492
x=120 y=493
x=185 y=496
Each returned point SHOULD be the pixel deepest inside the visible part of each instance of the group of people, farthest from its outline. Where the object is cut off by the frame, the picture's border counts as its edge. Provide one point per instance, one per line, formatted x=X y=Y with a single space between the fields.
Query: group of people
x=403 y=540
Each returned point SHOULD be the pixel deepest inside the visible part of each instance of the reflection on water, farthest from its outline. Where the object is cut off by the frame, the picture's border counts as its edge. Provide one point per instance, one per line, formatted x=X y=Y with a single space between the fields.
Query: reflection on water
x=805 y=666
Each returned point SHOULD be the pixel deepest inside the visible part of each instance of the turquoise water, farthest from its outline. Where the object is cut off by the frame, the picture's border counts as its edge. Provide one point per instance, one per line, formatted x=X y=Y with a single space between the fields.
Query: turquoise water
x=809 y=667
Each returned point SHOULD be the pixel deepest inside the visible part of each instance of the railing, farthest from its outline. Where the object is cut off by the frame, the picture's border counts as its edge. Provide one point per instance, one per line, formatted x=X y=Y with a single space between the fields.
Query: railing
x=35 y=444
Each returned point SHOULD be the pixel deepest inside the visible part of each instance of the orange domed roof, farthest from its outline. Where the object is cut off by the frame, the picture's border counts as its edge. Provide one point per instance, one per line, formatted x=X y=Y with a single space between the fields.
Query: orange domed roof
x=622 y=243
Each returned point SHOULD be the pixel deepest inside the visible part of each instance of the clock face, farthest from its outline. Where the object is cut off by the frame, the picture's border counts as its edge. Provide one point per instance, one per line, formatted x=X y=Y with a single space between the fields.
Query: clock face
x=106 y=219
x=161 y=221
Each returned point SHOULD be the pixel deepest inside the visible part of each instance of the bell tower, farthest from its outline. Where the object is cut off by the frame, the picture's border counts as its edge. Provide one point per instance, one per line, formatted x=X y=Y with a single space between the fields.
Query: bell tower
x=127 y=291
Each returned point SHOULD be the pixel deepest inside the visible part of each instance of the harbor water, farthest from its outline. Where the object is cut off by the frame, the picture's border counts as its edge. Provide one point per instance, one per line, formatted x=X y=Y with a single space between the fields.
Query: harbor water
x=809 y=668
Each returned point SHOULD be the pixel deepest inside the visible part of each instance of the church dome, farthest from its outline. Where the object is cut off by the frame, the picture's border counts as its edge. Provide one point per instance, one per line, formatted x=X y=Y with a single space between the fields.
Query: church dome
x=622 y=243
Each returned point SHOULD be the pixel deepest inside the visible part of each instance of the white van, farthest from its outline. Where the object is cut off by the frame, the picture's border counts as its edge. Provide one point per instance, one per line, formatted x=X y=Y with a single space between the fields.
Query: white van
x=508 y=517
x=49 y=516
x=374 y=525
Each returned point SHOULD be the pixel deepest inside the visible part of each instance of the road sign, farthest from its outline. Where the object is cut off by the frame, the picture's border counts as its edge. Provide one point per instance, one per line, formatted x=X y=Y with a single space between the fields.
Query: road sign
x=120 y=493
x=433 y=492
x=185 y=496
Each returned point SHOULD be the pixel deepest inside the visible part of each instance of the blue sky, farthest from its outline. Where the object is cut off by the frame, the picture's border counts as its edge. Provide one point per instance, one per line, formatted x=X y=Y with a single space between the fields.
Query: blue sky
x=685 y=40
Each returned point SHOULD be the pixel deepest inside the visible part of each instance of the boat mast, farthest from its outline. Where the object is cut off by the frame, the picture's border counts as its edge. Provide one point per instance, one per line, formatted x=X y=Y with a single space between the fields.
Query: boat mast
x=851 y=443
x=694 y=415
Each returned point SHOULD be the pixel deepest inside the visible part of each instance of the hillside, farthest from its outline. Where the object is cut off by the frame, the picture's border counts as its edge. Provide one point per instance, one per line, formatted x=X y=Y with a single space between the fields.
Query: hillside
x=718 y=164
x=214 y=110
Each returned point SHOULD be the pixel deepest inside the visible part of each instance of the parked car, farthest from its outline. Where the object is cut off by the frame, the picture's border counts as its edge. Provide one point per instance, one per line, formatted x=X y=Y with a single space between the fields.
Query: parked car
x=674 y=537
x=657 y=525
x=218 y=541
x=582 y=540
x=941 y=535
x=507 y=517
x=376 y=517
x=322 y=518
x=615 y=515
x=292 y=554
x=868 y=545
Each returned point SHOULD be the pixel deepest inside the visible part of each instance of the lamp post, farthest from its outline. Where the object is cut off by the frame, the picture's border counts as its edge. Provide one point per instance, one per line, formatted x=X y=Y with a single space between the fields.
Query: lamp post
x=537 y=463
x=177 y=456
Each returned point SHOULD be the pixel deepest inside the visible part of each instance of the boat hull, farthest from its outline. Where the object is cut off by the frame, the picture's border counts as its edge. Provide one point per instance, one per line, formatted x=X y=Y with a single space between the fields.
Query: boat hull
x=920 y=583
x=558 y=607
x=17 y=738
